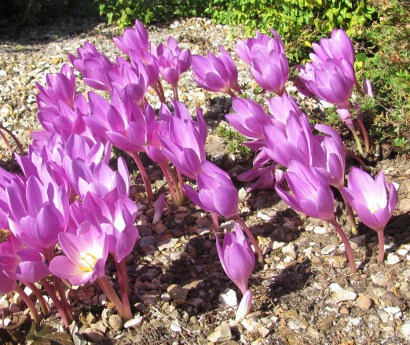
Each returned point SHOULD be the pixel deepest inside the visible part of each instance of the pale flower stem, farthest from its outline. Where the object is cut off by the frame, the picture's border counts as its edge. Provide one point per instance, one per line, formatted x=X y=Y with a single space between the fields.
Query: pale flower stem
x=123 y=283
x=357 y=140
x=175 y=90
x=352 y=220
x=380 y=236
x=63 y=312
x=171 y=184
x=20 y=147
x=143 y=173
x=6 y=141
x=231 y=93
x=253 y=240
x=215 y=223
x=33 y=311
x=160 y=92
x=108 y=290
x=365 y=135
x=45 y=308
x=58 y=284
x=345 y=241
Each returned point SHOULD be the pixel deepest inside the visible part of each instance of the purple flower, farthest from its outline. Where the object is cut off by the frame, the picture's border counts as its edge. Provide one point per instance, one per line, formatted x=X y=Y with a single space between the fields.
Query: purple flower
x=19 y=263
x=237 y=258
x=114 y=214
x=127 y=124
x=130 y=79
x=247 y=48
x=331 y=80
x=328 y=156
x=374 y=200
x=60 y=87
x=310 y=193
x=337 y=47
x=135 y=43
x=268 y=63
x=98 y=178
x=134 y=39
x=249 y=120
x=85 y=255
x=172 y=61
x=216 y=192
x=38 y=212
x=217 y=74
x=186 y=152
x=94 y=66
x=291 y=141
x=281 y=108
x=61 y=109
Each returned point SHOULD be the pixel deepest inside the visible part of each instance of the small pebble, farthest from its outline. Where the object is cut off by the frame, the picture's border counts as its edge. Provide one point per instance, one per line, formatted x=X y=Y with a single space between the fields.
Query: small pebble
x=364 y=302
x=221 y=333
x=393 y=259
x=115 y=321
x=326 y=324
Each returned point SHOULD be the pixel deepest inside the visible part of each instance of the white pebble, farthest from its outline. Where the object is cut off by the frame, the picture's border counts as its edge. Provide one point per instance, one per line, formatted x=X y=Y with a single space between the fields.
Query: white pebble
x=393 y=259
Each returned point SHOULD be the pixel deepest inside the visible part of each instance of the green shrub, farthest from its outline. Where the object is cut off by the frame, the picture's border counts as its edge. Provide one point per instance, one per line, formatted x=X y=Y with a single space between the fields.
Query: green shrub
x=124 y=12
x=385 y=60
x=299 y=22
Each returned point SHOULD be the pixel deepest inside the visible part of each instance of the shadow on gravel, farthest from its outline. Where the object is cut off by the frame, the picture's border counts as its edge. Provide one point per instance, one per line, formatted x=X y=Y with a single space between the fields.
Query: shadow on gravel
x=75 y=18
x=292 y=279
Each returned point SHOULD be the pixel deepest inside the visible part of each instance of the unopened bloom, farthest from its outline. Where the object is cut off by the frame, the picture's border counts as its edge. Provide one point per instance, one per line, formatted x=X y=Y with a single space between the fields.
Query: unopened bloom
x=237 y=257
x=217 y=74
x=249 y=120
x=331 y=80
x=268 y=63
x=172 y=61
x=310 y=193
x=187 y=151
x=337 y=47
x=329 y=156
x=216 y=192
x=238 y=261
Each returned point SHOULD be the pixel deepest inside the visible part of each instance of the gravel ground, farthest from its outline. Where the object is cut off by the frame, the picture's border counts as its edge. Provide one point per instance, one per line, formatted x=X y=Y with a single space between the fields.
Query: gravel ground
x=303 y=293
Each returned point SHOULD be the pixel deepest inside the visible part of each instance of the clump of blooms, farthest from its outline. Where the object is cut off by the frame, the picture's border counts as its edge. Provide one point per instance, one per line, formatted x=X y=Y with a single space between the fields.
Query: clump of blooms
x=70 y=211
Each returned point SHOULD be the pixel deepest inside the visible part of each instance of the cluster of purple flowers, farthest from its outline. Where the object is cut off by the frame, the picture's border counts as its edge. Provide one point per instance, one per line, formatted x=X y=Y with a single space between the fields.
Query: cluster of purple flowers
x=70 y=209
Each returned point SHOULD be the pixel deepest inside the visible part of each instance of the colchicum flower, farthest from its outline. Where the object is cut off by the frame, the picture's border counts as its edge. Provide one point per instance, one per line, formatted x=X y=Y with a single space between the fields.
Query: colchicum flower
x=311 y=195
x=216 y=192
x=217 y=74
x=85 y=255
x=238 y=261
x=374 y=201
x=267 y=60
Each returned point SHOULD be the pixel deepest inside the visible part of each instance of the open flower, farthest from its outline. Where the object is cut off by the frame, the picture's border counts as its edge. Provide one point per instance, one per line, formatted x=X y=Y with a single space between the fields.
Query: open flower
x=374 y=201
x=86 y=253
